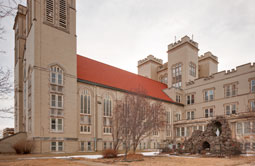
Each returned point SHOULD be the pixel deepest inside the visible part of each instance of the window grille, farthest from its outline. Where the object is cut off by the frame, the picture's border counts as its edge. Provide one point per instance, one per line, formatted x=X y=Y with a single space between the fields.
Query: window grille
x=62 y=13
x=50 y=11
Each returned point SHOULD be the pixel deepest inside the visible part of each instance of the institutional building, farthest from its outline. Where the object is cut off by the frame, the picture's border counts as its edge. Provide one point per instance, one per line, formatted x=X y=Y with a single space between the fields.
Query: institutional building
x=64 y=101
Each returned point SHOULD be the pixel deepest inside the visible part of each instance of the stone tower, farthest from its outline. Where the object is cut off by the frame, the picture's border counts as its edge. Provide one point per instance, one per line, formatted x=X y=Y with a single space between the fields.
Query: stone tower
x=49 y=66
x=182 y=62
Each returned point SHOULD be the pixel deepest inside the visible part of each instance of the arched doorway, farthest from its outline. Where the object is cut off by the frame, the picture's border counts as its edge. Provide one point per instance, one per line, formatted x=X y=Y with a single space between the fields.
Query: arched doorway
x=206 y=146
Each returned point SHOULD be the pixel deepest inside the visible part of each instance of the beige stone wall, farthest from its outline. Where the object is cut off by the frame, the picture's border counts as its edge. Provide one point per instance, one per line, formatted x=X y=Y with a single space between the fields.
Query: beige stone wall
x=98 y=95
x=7 y=143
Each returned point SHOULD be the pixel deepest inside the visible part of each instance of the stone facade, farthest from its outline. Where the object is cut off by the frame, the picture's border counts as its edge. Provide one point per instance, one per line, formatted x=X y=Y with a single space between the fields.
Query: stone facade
x=48 y=90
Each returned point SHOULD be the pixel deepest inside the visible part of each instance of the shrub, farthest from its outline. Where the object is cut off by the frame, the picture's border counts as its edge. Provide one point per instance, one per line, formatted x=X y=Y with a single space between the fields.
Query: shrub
x=166 y=150
x=23 y=147
x=109 y=153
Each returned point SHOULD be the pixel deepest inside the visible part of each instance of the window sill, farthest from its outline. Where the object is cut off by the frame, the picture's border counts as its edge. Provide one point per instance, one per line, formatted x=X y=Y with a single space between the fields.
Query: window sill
x=107 y=134
x=84 y=114
x=85 y=133
x=58 y=132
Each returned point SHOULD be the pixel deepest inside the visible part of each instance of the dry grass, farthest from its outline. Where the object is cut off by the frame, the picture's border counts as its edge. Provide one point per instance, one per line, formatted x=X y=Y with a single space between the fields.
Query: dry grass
x=148 y=161
x=42 y=162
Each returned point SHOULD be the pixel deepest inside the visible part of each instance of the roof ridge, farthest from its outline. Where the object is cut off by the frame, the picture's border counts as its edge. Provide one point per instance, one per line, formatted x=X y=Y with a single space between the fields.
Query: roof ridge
x=123 y=70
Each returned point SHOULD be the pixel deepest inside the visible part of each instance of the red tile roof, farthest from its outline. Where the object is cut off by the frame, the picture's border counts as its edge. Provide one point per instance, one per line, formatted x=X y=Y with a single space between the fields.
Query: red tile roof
x=100 y=73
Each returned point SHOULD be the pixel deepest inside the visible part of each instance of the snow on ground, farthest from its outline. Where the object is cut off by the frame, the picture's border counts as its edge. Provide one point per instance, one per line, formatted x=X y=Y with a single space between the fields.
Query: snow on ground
x=66 y=157
x=147 y=154
x=247 y=155
x=182 y=156
x=150 y=153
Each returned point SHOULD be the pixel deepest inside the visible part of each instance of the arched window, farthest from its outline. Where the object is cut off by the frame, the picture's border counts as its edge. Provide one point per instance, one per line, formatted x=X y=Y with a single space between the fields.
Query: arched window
x=107 y=106
x=85 y=102
x=56 y=75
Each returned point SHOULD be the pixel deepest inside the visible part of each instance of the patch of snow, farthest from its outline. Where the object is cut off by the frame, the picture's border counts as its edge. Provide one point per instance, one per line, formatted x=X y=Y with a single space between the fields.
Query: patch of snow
x=65 y=157
x=182 y=156
x=150 y=153
x=87 y=156
x=246 y=155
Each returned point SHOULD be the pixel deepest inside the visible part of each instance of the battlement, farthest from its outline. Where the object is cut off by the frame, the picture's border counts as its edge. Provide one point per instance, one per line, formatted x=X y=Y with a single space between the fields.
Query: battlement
x=150 y=58
x=22 y=9
x=163 y=67
x=208 y=55
x=249 y=67
x=183 y=40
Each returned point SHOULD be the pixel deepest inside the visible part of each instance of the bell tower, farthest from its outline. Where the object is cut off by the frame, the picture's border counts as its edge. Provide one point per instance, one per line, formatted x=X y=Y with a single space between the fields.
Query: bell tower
x=50 y=73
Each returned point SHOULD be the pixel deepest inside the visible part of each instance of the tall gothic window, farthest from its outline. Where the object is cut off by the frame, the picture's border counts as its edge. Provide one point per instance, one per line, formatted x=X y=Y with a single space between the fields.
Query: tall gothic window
x=56 y=99
x=107 y=121
x=177 y=75
x=85 y=102
x=107 y=106
x=192 y=69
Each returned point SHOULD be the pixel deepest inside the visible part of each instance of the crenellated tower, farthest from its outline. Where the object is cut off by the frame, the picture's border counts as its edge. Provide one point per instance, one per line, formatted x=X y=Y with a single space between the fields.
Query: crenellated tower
x=182 y=62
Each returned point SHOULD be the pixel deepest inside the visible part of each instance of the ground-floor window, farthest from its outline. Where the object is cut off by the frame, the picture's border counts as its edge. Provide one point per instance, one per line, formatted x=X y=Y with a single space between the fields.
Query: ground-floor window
x=247 y=127
x=247 y=146
x=57 y=146
x=105 y=145
x=85 y=146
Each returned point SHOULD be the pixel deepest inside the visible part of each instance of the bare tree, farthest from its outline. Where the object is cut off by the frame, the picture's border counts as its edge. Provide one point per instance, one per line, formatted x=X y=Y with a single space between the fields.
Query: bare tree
x=6 y=87
x=8 y=7
x=116 y=125
x=138 y=117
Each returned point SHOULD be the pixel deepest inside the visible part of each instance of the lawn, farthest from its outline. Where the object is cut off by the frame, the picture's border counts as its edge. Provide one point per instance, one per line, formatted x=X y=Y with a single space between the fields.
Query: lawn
x=47 y=160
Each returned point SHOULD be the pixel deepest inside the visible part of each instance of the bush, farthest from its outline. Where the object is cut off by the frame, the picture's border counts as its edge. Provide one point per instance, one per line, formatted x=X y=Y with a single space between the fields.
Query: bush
x=23 y=147
x=166 y=150
x=109 y=153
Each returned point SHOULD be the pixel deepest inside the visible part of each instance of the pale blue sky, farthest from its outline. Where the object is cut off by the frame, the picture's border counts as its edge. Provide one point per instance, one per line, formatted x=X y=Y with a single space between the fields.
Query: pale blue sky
x=121 y=32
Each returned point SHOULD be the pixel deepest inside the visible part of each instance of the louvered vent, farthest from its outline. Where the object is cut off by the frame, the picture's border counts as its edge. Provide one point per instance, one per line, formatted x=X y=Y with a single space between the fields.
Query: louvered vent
x=62 y=13
x=49 y=11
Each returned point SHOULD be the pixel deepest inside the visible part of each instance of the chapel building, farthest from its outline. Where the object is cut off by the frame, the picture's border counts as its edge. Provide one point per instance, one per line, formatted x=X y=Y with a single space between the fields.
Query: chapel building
x=64 y=101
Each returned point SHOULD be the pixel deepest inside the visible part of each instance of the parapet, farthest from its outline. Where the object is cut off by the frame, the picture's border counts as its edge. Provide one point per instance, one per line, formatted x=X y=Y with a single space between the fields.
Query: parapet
x=208 y=55
x=150 y=58
x=185 y=39
x=163 y=67
x=22 y=9
x=242 y=69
